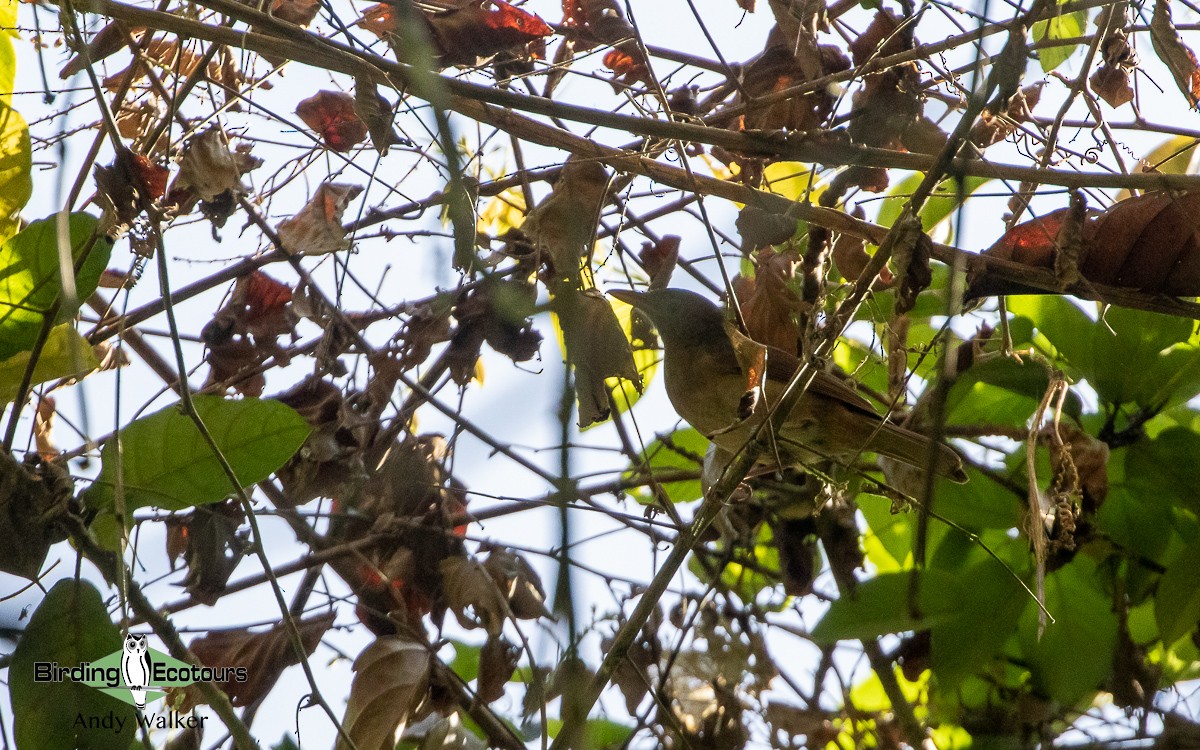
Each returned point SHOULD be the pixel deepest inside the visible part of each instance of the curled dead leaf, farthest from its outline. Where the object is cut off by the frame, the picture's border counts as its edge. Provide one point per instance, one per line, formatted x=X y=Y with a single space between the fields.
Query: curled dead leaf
x=768 y=303
x=596 y=347
x=473 y=596
x=391 y=680
x=1111 y=80
x=244 y=333
x=591 y=23
x=519 y=582
x=207 y=167
x=317 y=228
x=263 y=655
x=497 y=660
x=131 y=181
x=993 y=127
x=216 y=544
x=1177 y=56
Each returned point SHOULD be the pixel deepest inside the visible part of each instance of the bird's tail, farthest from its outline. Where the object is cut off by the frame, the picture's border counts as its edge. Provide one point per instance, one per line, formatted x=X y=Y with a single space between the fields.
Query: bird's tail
x=912 y=448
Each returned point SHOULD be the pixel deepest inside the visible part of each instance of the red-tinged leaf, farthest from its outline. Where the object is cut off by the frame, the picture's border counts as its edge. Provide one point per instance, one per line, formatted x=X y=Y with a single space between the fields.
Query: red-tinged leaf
x=517 y=21
x=152 y=175
x=378 y=20
x=265 y=295
x=465 y=35
x=628 y=67
x=1031 y=243
x=332 y=114
x=659 y=260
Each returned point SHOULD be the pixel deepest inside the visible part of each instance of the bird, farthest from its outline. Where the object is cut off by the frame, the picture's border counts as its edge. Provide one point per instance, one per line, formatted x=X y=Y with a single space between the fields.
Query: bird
x=710 y=369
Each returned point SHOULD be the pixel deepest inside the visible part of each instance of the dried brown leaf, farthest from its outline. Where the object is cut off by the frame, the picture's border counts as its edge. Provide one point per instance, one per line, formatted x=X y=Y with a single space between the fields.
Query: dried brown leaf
x=519 y=582
x=215 y=547
x=208 y=168
x=497 y=660
x=43 y=428
x=473 y=596
x=659 y=259
x=317 y=228
x=1177 y=56
x=264 y=655
x=390 y=682
x=768 y=303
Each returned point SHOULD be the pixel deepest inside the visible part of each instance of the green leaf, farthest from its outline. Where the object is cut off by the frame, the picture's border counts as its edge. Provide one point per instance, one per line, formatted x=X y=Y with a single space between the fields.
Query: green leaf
x=1002 y=391
x=602 y=734
x=888 y=541
x=16 y=159
x=65 y=355
x=988 y=504
x=1177 y=604
x=30 y=281
x=1165 y=467
x=70 y=626
x=466 y=660
x=1075 y=655
x=8 y=55
x=1064 y=326
x=1130 y=362
x=683 y=450
x=285 y=743
x=167 y=463
x=1063 y=26
x=943 y=201
x=880 y=605
x=1134 y=517
x=992 y=606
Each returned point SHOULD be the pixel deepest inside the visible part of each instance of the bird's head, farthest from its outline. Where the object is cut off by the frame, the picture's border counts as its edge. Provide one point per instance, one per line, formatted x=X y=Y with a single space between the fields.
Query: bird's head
x=683 y=319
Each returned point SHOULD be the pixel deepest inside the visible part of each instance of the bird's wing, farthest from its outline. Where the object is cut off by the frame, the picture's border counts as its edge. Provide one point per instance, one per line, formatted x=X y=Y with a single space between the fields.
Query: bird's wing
x=781 y=366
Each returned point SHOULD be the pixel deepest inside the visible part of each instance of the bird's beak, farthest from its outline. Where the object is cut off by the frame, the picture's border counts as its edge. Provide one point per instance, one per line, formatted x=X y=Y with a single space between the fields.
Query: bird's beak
x=629 y=297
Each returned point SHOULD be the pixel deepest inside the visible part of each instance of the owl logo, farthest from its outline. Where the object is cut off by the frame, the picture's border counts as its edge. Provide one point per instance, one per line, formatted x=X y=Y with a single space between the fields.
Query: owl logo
x=135 y=667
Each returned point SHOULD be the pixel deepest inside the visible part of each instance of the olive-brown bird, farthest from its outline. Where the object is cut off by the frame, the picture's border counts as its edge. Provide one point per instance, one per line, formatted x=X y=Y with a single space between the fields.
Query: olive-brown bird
x=710 y=367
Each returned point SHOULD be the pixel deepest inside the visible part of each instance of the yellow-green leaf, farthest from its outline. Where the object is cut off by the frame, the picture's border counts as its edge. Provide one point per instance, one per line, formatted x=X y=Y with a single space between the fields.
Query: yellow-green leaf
x=65 y=354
